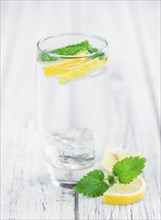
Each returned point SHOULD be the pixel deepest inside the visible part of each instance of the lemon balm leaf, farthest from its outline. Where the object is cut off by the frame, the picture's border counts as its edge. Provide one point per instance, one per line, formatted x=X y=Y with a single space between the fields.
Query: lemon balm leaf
x=124 y=171
x=92 y=49
x=111 y=179
x=128 y=169
x=69 y=50
x=72 y=50
x=92 y=185
x=44 y=57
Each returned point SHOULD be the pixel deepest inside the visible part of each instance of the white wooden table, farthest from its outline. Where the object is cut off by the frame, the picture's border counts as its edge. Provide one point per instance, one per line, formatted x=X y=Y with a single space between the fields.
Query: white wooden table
x=132 y=30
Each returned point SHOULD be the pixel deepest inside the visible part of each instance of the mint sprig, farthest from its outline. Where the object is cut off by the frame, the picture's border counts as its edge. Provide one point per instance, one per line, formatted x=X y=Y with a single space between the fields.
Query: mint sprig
x=128 y=169
x=111 y=179
x=44 y=57
x=92 y=185
x=70 y=50
x=125 y=171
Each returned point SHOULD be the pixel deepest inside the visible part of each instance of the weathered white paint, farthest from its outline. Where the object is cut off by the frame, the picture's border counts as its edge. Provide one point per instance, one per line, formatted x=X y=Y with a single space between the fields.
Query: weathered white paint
x=132 y=29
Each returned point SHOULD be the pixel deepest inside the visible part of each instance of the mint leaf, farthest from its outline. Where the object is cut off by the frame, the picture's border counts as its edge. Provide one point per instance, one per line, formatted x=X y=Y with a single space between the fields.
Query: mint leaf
x=43 y=57
x=111 y=180
x=128 y=169
x=124 y=171
x=72 y=50
x=69 y=50
x=92 y=185
x=92 y=49
x=101 y=56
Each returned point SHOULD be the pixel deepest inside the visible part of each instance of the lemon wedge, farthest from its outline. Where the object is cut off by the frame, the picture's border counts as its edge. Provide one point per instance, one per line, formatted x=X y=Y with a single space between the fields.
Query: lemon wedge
x=82 y=69
x=114 y=154
x=122 y=194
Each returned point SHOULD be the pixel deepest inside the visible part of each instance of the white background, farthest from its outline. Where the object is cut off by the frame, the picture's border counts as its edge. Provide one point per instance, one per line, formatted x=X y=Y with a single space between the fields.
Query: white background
x=132 y=29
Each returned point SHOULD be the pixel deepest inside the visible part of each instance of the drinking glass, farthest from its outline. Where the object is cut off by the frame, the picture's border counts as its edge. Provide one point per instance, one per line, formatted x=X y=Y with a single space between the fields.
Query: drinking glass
x=72 y=112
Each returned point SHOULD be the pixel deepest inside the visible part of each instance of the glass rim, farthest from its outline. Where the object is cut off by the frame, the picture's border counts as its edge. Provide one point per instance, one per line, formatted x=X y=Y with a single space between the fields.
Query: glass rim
x=76 y=34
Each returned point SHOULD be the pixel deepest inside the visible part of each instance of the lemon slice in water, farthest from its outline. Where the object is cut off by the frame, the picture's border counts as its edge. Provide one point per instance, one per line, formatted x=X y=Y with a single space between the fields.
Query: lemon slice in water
x=63 y=66
x=86 y=67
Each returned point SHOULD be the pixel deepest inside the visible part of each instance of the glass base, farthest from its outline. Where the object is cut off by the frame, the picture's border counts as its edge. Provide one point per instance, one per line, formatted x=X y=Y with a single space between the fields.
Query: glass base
x=67 y=178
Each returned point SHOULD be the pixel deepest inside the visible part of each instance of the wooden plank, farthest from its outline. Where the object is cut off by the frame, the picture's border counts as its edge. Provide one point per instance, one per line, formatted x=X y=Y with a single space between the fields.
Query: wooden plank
x=26 y=190
x=149 y=49
x=132 y=127
x=133 y=123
